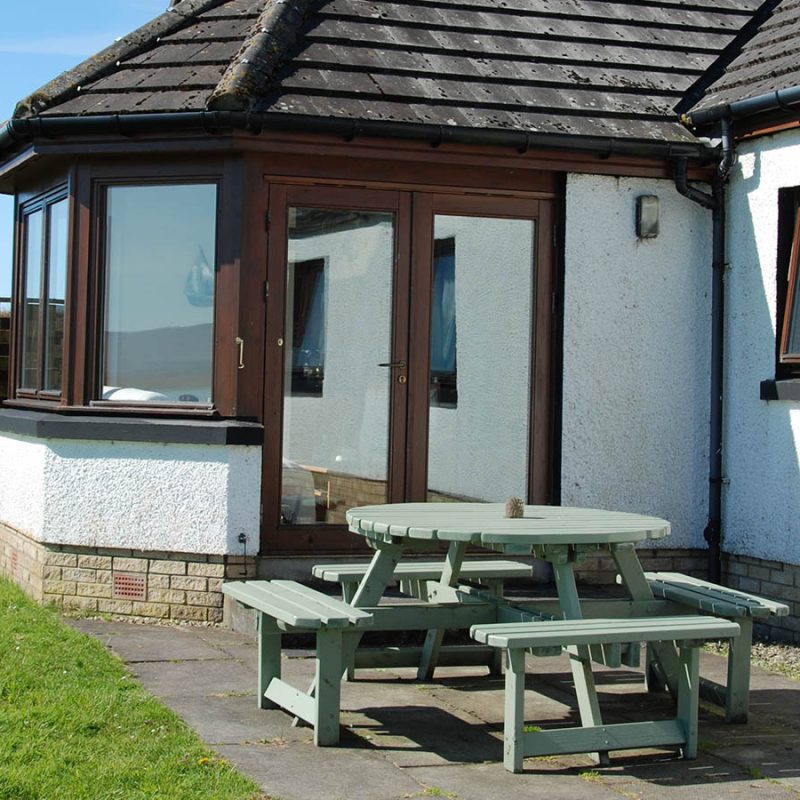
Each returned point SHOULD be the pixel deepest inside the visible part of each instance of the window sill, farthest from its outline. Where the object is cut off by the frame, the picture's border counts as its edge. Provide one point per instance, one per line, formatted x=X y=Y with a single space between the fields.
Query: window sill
x=48 y=425
x=781 y=389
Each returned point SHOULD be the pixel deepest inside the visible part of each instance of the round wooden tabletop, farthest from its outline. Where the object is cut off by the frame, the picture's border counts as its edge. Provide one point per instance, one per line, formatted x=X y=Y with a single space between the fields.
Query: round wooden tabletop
x=486 y=523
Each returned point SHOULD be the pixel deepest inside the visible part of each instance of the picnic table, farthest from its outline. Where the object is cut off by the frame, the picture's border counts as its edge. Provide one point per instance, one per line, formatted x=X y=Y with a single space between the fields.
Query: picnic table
x=589 y=630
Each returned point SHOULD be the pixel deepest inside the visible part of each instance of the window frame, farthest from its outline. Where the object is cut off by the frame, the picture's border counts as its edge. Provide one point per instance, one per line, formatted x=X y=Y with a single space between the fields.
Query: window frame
x=40 y=202
x=788 y=365
x=98 y=275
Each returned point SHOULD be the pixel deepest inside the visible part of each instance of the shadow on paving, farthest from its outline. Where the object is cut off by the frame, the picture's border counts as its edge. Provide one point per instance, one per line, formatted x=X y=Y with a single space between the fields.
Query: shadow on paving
x=404 y=739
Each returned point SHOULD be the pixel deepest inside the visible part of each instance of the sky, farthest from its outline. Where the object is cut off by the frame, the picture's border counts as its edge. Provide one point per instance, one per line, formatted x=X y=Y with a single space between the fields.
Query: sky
x=39 y=39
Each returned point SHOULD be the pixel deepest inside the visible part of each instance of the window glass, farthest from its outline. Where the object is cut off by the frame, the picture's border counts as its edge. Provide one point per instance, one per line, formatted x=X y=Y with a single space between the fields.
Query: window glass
x=34 y=225
x=478 y=433
x=443 y=389
x=56 y=295
x=159 y=309
x=336 y=438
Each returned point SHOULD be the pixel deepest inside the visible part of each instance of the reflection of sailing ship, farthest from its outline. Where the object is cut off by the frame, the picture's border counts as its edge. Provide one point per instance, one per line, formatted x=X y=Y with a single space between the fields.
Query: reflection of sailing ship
x=199 y=286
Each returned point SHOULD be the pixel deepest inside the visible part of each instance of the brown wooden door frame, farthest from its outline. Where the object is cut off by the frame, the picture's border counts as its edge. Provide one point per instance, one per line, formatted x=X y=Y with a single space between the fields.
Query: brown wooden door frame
x=408 y=430
x=540 y=211
x=276 y=538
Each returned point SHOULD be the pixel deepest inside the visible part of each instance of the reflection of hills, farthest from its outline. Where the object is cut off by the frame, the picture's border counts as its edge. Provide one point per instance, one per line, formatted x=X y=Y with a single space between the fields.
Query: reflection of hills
x=160 y=359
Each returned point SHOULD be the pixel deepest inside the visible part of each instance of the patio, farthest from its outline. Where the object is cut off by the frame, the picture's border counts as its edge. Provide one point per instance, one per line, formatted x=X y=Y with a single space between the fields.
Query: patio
x=403 y=738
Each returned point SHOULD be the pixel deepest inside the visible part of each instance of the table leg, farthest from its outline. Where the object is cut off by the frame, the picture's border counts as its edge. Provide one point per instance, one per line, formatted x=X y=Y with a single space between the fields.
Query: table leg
x=433 y=640
x=667 y=668
x=579 y=657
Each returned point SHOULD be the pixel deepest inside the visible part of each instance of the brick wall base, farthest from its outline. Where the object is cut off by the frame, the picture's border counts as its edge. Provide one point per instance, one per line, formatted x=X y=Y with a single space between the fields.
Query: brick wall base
x=130 y=583
x=770 y=579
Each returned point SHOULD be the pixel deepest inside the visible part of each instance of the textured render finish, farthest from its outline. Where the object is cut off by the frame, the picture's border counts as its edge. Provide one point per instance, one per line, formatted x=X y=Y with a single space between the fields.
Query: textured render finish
x=636 y=355
x=158 y=497
x=22 y=481
x=762 y=439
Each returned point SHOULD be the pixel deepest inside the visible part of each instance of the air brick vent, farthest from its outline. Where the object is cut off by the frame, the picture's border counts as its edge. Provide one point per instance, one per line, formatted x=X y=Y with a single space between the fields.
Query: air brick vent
x=129 y=587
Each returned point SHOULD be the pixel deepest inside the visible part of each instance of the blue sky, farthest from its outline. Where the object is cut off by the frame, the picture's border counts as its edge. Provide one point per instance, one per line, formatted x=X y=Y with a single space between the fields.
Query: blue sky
x=40 y=39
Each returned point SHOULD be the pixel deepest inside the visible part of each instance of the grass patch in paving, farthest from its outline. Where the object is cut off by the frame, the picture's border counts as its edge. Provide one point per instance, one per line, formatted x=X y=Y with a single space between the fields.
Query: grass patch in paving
x=74 y=723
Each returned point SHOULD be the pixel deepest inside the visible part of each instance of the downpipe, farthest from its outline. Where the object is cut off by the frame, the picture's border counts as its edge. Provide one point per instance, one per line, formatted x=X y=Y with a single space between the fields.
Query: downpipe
x=715 y=201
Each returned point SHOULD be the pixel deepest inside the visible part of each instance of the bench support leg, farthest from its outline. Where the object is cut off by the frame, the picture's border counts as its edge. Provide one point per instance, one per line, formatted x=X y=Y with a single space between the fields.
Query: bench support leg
x=328 y=687
x=269 y=657
x=579 y=657
x=688 y=697
x=737 y=696
x=514 y=714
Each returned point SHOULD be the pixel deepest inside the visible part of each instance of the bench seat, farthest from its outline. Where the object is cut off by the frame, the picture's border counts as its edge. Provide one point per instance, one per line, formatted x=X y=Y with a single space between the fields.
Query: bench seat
x=287 y=606
x=710 y=598
x=688 y=632
x=489 y=572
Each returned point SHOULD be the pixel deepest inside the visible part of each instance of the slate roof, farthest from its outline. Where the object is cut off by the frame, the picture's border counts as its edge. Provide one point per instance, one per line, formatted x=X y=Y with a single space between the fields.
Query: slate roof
x=609 y=68
x=769 y=62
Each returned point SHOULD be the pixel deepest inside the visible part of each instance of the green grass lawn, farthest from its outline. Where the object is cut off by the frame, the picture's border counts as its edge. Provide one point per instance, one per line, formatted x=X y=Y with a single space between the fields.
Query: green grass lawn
x=74 y=724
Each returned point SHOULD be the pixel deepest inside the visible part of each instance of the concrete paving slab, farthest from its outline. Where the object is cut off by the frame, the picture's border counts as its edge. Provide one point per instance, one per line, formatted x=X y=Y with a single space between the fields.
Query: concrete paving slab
x=191 y=678
x=406 y=739
x=305 y=772
x=492 y=782
x=135 y=642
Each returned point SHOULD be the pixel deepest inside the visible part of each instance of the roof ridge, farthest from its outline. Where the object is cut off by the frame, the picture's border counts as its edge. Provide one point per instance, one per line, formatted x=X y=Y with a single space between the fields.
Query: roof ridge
x=95 y=67
x=264 y=50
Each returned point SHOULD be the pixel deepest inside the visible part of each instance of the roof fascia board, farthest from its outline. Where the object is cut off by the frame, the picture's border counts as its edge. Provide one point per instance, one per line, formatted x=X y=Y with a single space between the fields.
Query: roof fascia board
x=18 y=131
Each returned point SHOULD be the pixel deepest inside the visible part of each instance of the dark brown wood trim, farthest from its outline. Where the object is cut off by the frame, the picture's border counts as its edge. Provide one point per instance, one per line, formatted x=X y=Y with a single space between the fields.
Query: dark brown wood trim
x=791 y=291
x=541 y=425
x=416 y=447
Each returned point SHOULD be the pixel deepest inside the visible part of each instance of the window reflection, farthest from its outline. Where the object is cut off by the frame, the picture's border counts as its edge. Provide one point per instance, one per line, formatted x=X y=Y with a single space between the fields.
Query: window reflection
x=34 y=223
x=56 y=296
x=481 y=332
x=336 y=396
x=159 y=310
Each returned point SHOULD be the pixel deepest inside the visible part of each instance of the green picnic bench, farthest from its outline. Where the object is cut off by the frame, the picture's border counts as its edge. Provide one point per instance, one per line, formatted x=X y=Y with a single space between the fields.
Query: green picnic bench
x=289 y=607
x=710 y=598
x=688 y=632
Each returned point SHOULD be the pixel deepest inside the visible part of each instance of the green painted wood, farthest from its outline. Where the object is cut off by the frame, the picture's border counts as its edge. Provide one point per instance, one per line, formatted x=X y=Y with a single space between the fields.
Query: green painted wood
x=737 y=695
x=569 y=632
x=329 y=608
x=295 y=701
x=449 y=656
x=617 y=736
x=711 y=597
x=433 y=640
x=688 y=694
x=514 y=711
x=269 y=658
x=486 y=524
x=471 y=569
x=295 y=605
x=328 y=687
x=579 y=656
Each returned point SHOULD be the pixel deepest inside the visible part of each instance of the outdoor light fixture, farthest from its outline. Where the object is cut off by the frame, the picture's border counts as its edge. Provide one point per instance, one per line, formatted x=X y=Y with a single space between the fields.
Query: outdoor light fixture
x=647 y=216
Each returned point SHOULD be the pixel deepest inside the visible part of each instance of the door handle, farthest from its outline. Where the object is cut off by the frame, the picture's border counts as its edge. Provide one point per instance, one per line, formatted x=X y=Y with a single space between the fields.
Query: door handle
x=398 y=364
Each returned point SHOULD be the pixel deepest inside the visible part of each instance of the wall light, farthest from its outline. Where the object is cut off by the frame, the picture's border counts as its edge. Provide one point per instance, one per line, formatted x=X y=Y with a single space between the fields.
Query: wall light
x=647 y=216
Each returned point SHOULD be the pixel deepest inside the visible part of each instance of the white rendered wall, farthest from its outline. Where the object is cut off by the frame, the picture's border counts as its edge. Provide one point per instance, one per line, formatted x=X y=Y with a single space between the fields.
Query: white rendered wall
x=143 y=496
x=636 y=355
x=761 y=511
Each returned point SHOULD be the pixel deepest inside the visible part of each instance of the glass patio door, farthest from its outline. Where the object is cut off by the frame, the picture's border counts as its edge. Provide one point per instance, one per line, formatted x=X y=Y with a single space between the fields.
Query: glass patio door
x=408 y=356
x=338 y=286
